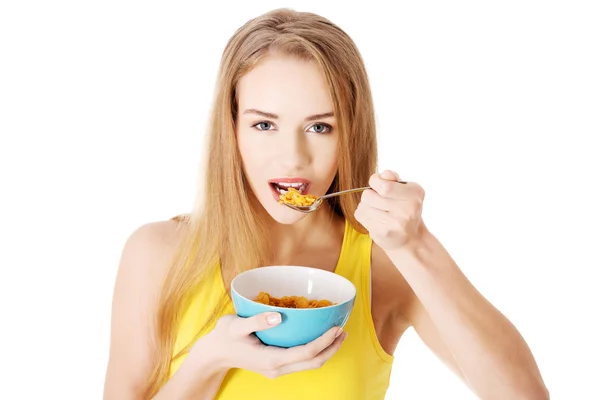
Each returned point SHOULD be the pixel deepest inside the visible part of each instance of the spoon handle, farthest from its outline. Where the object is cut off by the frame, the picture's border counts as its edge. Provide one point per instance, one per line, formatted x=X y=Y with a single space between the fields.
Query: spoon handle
x=344 y=192
x=349 y=191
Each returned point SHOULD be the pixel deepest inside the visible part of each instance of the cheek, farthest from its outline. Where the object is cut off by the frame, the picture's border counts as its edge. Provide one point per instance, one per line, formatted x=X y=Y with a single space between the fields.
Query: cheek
x=329 y=163
x=244 y=147
x=332 y=167
x=250 y=155
x=249 y=166
x=255 y=162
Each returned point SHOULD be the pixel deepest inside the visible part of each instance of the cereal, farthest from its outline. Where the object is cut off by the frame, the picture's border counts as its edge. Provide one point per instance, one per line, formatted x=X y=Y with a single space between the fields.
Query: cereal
x=291 y=301
x=295 y=198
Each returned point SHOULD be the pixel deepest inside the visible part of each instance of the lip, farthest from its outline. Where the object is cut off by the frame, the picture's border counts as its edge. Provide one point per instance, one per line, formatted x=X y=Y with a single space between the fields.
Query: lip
x=290 y=180
x=276 y=194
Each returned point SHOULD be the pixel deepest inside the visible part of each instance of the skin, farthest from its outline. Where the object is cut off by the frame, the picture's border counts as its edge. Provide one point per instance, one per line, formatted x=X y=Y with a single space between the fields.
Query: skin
x=290 y=146
x=415 y=282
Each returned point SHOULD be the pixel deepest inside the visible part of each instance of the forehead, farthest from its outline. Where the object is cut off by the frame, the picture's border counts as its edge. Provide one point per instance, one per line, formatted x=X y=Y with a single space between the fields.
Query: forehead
x=287 y=86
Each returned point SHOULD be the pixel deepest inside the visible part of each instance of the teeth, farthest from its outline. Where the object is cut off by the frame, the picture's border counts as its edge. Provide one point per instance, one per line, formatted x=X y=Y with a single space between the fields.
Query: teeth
x=288 y=184
x=282 y=187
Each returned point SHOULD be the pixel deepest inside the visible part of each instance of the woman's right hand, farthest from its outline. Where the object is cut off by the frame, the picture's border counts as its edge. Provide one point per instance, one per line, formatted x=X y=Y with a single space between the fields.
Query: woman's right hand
x=232 y=344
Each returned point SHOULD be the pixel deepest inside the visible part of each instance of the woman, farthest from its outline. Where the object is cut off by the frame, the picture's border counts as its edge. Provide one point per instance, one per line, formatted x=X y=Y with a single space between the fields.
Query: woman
x=293 y=107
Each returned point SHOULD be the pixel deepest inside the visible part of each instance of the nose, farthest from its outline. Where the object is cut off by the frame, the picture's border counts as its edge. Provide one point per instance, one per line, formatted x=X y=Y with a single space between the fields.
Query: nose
x=294 y=152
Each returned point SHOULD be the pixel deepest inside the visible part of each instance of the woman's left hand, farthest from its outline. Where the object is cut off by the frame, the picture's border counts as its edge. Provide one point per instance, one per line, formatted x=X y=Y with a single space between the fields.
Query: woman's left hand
x=391 y=211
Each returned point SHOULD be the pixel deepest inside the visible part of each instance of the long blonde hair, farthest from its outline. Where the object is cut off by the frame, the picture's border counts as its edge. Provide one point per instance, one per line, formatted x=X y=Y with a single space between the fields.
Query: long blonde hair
x=225 y=229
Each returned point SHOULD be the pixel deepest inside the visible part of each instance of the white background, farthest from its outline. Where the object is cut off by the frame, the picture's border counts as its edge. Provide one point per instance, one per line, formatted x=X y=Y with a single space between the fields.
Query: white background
x=492 y=106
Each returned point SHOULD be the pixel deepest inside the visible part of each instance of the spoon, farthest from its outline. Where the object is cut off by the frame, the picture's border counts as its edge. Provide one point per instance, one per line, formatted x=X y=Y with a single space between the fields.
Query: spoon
x=314 y=206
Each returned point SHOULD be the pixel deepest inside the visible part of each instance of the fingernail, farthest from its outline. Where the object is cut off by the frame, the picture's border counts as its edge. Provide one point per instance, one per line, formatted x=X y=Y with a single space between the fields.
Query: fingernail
x=273 y=319
x=339 y=332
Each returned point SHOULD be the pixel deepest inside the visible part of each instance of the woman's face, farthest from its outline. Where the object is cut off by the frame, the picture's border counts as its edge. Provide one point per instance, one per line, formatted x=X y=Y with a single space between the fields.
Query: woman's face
x=286 y=132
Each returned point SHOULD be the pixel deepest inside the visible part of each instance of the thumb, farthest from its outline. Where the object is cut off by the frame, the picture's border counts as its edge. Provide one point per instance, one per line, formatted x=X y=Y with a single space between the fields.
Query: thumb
x=389 y=175
x=259 y=322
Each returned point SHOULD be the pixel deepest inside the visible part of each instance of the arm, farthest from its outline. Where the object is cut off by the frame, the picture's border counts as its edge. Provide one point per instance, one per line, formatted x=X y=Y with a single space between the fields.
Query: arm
x=143 y=265
x=451 y=316
x=198 y=382
x=231 y=344
x=460 y=326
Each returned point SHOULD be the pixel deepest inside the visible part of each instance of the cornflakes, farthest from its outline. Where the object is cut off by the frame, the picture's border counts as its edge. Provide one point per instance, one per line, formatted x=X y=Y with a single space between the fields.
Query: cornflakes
x=291 y=301
x=295 y=198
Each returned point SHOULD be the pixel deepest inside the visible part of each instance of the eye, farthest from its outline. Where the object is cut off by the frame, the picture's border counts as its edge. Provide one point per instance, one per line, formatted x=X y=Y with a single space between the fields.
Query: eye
x=263 y=126
x=321 y=128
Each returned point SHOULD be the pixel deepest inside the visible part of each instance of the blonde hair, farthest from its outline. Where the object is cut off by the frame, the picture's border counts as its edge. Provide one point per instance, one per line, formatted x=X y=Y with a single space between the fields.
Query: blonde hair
x=225 y=227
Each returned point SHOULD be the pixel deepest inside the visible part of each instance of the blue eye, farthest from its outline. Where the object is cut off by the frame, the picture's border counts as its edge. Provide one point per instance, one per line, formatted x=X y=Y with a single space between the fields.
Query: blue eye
x=321 y=128
x=263 y=126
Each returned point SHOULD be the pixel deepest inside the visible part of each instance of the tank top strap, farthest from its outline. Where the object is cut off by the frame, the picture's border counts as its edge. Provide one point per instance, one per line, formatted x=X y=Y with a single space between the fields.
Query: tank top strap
x=355 y=265
x=355 y=259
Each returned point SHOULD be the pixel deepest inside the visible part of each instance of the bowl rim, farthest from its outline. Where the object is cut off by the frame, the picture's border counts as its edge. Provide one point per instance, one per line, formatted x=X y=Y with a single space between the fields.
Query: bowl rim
x=288 y=309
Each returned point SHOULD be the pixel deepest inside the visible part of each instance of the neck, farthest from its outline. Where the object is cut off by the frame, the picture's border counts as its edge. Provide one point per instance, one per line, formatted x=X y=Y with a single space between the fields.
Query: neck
x=316 y=230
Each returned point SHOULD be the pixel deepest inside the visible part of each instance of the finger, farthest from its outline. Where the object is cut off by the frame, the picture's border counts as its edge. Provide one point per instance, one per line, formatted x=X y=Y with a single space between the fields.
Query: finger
x=385 y=187
x=316 y=362
x=372 y=217
x=393 y=189
x=373 y=199
x=390 y=175
x=312 y=349
x=259 y=322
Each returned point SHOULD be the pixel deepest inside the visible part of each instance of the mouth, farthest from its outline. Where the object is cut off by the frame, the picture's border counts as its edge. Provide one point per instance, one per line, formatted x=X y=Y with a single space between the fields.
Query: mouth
x=281 y=186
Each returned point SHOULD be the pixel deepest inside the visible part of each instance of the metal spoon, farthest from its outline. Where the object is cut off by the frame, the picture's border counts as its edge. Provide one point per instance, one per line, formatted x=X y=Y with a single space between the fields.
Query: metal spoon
x=314 y=206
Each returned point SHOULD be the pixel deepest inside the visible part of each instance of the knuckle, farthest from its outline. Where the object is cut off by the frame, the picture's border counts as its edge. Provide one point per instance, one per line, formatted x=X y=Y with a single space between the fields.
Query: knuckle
x=364 y=196
x=385 y=188
x=419 y=191
x=388 y=232
x=372 y=179
x=416 y=207
x=416 y=204
x=368 y=196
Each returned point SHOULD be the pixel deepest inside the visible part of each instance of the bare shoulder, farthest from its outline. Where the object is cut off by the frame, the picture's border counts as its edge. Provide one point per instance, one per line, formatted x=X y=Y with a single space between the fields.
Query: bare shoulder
x=151 y=244
x=147 y=254
x=145 y=260
x=157 y=235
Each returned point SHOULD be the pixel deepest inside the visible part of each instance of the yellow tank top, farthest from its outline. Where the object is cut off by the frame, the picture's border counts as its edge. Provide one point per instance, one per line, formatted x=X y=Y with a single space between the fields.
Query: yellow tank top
x=360 y=370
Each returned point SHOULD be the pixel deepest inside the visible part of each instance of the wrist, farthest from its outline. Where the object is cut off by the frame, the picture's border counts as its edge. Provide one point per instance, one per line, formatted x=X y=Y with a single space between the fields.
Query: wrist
x=202 y=372
x=211 y=358
x=416 y=250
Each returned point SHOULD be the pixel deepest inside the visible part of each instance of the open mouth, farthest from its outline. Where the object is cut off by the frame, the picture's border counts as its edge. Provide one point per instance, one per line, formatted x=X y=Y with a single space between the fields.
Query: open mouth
x=281 y=186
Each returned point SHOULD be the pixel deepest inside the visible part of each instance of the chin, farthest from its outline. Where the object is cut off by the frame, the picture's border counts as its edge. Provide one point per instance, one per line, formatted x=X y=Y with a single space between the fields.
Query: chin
x=282 y=214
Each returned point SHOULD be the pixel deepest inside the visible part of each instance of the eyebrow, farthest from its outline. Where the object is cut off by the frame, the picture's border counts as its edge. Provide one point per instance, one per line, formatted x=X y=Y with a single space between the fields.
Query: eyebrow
x=275 y=116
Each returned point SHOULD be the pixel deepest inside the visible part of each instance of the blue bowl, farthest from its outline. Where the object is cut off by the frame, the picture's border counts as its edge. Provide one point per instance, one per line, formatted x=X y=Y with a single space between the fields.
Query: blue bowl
x=299 y=325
